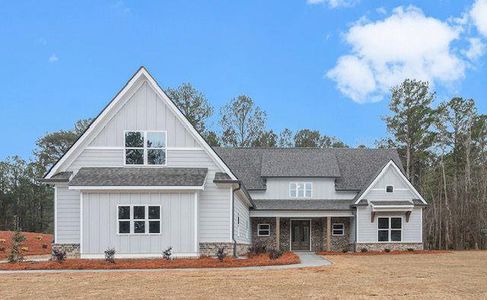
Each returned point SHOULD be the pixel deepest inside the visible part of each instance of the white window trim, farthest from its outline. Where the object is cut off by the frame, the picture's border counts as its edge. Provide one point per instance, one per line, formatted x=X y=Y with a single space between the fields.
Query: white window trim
x=393 y=189
x=145 y=148
x=390 y=228
x=304 y=189
x=342 y=229
x=146 y=220
x=259 y=229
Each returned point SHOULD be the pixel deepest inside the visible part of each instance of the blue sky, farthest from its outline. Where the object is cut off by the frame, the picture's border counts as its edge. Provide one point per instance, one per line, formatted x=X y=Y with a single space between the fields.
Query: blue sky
x=319 y=64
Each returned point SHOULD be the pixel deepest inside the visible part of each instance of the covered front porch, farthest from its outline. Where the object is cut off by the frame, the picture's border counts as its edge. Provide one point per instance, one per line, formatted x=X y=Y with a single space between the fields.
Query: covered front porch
x=299 y=232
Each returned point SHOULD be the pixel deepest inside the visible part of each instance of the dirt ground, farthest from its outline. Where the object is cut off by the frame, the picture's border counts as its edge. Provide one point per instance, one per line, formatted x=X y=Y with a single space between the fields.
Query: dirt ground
x=33 y=245
x=438 y=276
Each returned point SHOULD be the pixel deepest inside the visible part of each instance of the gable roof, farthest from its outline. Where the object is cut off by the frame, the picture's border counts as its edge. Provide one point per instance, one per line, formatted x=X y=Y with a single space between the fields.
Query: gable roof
x=141 y=73
x=352 y=168
x=120 y=176
x=380 y=173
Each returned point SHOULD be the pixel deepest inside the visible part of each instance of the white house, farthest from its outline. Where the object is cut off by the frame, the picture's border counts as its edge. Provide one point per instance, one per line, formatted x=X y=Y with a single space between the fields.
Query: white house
x=141 y=179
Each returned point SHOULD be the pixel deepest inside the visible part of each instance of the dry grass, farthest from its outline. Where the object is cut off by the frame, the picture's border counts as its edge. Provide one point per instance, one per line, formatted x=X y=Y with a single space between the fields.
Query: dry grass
x=439 y=276
x=205 y=262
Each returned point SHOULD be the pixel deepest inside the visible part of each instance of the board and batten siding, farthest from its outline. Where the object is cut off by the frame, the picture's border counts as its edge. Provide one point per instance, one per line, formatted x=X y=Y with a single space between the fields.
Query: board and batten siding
x=241 y=221
x=67 y=215
x=144 y=110
x=367 y=231
x=323 y=188
x=401 y=189
x=100 y=224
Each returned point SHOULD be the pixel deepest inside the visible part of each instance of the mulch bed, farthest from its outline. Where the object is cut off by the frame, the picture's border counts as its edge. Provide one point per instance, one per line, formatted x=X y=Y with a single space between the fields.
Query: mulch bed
x=204 y=262
x=33 y=245
x=384 y=253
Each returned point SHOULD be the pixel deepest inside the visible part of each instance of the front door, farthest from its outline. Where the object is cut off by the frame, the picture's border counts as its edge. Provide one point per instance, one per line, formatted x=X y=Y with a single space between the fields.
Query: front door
x=300 y=234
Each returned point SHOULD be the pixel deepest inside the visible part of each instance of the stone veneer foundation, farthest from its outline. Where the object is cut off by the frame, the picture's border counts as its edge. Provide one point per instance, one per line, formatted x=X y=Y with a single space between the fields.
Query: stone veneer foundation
x=209 y=249
x=72 y=250
x=391 y=246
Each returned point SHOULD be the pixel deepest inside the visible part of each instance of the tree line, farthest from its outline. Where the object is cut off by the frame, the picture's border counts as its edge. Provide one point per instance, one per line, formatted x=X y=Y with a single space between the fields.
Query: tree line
x=443 y=148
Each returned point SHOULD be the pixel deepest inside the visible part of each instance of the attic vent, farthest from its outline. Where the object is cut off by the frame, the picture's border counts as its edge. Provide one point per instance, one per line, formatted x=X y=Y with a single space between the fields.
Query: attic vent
x=389 y=189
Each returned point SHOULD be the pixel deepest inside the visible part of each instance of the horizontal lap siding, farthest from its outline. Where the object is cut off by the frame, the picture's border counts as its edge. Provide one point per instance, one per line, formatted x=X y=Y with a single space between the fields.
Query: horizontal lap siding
x=367 y=231
x=323 y=188
x=242 y=230
x=100 y=223
x=67 y=215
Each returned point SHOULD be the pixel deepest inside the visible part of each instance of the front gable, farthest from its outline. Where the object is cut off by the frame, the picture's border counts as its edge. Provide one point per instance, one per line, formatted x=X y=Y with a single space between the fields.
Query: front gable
x=390 y=175
x=140 y=105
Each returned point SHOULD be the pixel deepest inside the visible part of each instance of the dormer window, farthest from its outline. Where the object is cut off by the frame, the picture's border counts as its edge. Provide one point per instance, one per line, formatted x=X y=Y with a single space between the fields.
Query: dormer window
x=300 y=189
x=145 y=148
x=389 y=189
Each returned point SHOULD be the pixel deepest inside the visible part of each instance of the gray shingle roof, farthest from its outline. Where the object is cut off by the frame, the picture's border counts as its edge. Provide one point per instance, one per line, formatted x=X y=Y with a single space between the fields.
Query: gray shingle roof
x=245 y=163
x=297 y=162
x=418 y=202
x=139 y=177
x=222 y=177
x=329 y=204
x=356 y=167
x=58 y=177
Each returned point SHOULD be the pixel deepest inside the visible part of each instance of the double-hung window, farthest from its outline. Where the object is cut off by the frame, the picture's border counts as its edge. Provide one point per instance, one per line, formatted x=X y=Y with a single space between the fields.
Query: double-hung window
x=389 y=229
x=300 y=189
x=139 y=219
x=145 y=147
x=338 y=229
x=263 y=230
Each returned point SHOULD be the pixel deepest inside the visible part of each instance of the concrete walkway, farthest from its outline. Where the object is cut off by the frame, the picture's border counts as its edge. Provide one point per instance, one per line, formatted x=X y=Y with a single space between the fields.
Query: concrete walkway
x=308 y=259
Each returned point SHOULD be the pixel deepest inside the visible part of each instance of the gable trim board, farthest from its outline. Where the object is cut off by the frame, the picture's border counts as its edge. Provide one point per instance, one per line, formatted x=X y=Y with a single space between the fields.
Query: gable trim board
x=390 y=164
x=142 y=72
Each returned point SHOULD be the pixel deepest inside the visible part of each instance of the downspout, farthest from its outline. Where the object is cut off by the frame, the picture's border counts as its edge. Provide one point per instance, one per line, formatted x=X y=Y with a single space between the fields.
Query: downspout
x=233 y=219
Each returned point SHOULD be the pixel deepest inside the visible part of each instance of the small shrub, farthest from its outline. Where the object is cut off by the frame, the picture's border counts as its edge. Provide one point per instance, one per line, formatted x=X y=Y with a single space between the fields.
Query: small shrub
x=110 y=255
x=2 y=249
x=166 y=254
x=387 y=250
x=363 y=250
x=275 y=253
x=44 y=246
x=220 y=253
x=16 y=252
x=58 y=255
x=411 y=249
x=258 y=248
x=25 y=249
x=345 y=250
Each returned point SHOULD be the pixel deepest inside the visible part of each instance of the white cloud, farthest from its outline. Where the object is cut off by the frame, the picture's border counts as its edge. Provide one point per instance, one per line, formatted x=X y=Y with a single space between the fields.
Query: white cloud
x=407 y=44
x=479 y=16
x=53 y=58
x=477 y=49
x=335 y=3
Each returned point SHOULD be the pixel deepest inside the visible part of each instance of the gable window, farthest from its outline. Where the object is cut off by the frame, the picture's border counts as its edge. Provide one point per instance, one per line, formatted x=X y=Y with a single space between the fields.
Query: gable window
x=139 y=219
x=338 y=229
x=263 y=230
x=300 y=189
x=389 y=229
x=145 y=148
x=389 y=189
